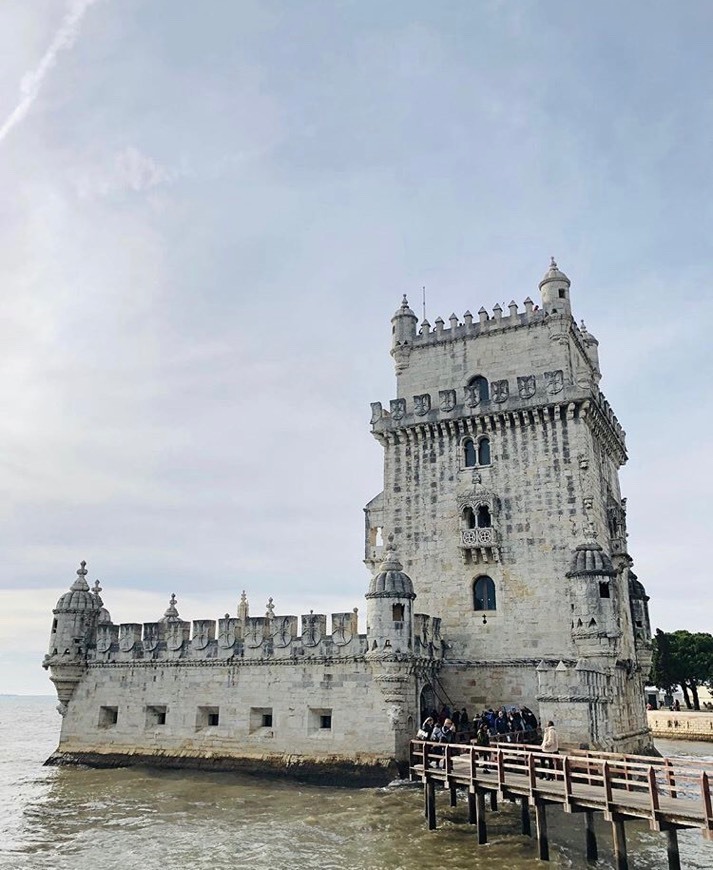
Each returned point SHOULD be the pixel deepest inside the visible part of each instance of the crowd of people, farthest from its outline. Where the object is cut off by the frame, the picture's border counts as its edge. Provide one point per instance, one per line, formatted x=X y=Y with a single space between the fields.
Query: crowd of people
x=513 y=725
x=507 y=725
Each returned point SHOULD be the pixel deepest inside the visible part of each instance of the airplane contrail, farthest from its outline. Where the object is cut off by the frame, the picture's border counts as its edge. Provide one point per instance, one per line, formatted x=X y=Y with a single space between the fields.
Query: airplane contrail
x=32 y=81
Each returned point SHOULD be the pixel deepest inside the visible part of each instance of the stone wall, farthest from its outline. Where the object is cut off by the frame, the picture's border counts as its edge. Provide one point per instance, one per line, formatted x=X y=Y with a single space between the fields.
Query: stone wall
x=683 y=725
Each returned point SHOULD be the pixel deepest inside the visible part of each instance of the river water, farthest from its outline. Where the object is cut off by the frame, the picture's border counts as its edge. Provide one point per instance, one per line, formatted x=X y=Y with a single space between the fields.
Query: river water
x=81 y=819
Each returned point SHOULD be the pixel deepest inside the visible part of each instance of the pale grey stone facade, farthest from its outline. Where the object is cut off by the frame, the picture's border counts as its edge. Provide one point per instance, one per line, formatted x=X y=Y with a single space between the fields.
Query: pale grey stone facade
x=501 y=496
x=501 y=460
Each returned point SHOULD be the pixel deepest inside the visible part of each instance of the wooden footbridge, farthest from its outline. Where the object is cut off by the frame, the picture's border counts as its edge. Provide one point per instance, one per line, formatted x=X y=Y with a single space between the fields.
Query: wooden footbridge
x=668 y=795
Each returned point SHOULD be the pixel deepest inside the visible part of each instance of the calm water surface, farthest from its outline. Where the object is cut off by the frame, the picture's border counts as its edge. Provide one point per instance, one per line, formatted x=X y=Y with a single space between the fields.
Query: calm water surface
x=82 y=819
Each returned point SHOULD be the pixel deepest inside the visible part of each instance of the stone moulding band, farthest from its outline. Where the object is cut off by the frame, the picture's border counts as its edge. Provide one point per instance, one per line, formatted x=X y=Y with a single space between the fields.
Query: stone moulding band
x=245 y=663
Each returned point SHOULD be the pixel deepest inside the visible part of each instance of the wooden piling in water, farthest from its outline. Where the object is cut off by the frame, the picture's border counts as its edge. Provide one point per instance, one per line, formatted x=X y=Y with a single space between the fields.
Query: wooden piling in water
x=590 y=836
x=494 y=801
x=480 y=817
x=674 y=857
x=621 y=860
x=471 y=808
x=431 y=804
x=543 y=845
x=525 y=817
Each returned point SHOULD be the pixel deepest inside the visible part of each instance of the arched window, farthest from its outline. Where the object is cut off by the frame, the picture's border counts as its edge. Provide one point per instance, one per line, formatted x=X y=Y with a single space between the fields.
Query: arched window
x=484 y=594
x=470 y=453
x=484 y=520
x=481 y=386
x=484 y=451
x=468 y=518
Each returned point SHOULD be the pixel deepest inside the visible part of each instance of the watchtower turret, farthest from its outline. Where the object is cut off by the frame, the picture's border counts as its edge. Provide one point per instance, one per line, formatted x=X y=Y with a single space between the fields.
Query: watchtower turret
x=403 y=334
x=389 y=610
x=554 y=288
x=73 y=632
x=75 y=620
x=594 y=604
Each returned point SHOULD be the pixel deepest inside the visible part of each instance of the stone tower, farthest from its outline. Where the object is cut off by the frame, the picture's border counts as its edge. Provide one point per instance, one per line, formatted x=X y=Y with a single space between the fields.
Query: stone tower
x=501 y=459
x=74 y=625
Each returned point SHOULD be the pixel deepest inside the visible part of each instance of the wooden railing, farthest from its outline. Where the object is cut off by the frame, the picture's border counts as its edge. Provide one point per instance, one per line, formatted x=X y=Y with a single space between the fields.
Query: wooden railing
x=668 y=794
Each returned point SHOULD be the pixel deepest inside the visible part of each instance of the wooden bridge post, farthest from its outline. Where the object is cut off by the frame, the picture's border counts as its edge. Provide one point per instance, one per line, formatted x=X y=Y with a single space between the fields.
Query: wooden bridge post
x=454 y=796
x=471 y=808
x=431 y=804
x=590 y=836
x=525 y=817
x=494 y=801
x=480 y=817
x=620 y=858
x=543 y=846
x=674 y=857
x=425 y=798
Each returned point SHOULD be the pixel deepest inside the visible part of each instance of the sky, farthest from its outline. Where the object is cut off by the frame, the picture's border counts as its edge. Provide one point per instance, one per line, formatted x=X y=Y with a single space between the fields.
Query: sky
x=210 y=212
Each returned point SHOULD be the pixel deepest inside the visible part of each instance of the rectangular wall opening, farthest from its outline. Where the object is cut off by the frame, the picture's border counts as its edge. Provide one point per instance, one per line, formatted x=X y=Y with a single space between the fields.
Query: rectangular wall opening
x=319 y=720
x=207 y=717
x=108 y=717
x=260 y=718
x=155 y=716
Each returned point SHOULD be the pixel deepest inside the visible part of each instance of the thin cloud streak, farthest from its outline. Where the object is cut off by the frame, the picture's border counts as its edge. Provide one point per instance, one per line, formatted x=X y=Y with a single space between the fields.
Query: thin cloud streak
x=32 y=81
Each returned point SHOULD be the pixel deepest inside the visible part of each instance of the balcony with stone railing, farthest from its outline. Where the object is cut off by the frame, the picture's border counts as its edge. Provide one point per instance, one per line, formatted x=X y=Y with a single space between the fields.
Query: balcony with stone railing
x=480 y=545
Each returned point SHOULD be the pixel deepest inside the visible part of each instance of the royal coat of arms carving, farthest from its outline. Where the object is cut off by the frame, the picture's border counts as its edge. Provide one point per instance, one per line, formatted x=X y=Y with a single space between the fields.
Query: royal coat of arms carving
x=554 y=381
x=526 y=386
x=500 y=391
x=472 y=395
x=422 y=404
x=447 y=399
x=398 y=408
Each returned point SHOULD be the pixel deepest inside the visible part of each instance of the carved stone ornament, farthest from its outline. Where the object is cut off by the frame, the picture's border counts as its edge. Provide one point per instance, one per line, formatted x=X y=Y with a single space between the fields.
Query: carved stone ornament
x=472 y=395
x=554 y=381
x=127 y=638
x=526 y=386
x=341 y=628
x=311 y=630
x=376 y=412
x=254 y=631
x=103 y=639
x=398 y=408
x=422 y=404
x=228 y=633
x=201 y=636
x=174 y=636
x=283 y=629
x=447 y=399
x=151 y=636
x=500 y=390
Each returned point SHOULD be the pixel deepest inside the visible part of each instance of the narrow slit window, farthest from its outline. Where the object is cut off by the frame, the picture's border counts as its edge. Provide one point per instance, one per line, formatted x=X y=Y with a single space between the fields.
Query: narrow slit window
x=397 y=612
x=604 y=591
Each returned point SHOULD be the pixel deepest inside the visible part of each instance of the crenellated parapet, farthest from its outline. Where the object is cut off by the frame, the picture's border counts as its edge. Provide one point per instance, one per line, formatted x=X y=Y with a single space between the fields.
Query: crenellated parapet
x=254 y=637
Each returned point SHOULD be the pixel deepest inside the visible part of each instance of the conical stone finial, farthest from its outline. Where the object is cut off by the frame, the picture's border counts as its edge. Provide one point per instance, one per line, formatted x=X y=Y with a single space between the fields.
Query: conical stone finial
x=81 y=582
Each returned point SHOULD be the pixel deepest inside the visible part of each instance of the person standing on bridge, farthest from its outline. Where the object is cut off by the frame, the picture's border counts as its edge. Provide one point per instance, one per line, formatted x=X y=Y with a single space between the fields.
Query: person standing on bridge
x=550 y=744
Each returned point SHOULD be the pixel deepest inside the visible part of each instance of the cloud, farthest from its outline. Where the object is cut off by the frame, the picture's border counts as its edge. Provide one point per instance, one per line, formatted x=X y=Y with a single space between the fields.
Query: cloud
x=32 y=82
x=130 y=170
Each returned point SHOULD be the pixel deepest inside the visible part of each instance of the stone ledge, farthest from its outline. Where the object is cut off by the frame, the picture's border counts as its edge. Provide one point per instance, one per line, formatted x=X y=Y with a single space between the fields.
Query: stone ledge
x=335 y=770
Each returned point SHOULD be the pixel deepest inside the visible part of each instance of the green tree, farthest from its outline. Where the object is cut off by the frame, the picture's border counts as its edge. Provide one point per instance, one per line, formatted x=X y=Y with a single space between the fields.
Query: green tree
x=685 y=659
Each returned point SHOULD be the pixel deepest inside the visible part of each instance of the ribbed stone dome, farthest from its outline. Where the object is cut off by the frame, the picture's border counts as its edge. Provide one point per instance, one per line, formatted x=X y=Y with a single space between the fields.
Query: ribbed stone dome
x=391 y=581
x=554 y=274
x=79 y=596
x=636 y=587
x=589 y=560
